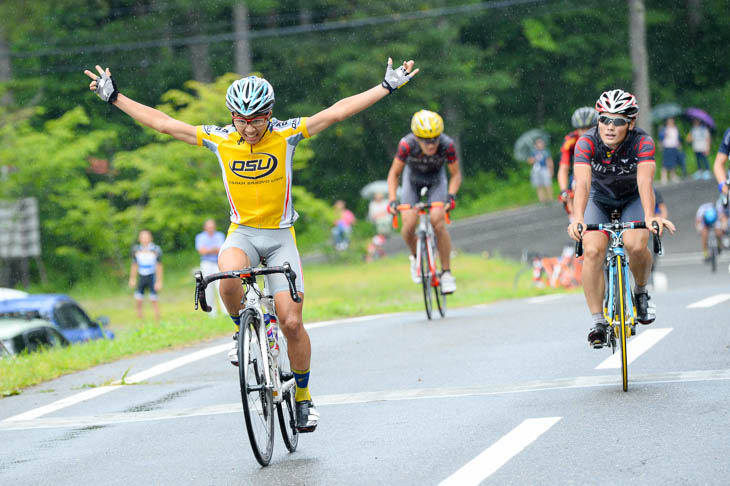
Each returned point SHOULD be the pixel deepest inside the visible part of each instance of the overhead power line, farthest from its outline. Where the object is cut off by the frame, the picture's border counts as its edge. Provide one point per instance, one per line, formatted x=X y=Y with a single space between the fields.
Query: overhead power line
x=279 y=31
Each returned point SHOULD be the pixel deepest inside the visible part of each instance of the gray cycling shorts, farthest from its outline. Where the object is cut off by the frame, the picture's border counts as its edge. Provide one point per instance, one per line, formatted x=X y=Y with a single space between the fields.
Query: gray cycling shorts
x=275 y=246
x=414 y=181
x=599 y=212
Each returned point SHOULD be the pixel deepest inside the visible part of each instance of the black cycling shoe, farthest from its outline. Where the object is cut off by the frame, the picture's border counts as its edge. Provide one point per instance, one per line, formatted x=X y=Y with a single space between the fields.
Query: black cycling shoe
x=307 y=416
x=597 y=336
x=645 y=314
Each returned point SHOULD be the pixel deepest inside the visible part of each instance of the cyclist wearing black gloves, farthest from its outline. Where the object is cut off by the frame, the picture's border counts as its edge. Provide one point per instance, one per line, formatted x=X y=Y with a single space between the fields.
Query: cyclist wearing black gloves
x=421 y=157
x=614 y=168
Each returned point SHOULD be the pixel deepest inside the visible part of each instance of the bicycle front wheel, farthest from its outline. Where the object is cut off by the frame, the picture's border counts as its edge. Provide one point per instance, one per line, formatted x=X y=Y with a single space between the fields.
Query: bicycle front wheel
x=285 y=409
x=426 y=276
x=257 y=398
x=620 y=300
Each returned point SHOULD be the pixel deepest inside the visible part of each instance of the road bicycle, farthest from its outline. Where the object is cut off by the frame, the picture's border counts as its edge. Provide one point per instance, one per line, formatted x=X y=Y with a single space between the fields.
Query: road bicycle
x=618 y=305
x=264 y=372
x=426 y=255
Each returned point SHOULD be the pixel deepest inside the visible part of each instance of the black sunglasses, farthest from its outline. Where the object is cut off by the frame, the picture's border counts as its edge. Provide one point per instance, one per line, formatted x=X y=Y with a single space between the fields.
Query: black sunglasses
x=429 y=141
x=619 y=122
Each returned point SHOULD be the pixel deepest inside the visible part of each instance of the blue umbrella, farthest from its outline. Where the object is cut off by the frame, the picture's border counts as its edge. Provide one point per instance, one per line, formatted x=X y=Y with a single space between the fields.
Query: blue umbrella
x=663 y=111
x=526 y=143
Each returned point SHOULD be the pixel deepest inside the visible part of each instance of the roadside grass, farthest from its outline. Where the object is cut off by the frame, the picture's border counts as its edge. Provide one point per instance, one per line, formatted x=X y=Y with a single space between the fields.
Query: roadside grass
x=331 y=291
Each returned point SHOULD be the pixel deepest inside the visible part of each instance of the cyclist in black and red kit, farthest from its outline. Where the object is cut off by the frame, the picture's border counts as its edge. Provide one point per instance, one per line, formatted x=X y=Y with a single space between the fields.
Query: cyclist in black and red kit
x=614 y=168
x=421 y=157
x=582 y=120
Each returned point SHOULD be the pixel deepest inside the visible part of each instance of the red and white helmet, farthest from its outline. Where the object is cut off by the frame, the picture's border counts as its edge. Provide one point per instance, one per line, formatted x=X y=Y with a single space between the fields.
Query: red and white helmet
x=617 y=102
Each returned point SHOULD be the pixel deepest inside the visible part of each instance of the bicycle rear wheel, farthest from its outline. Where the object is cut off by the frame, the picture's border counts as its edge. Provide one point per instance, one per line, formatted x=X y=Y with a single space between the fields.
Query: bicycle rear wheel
x=426 y=276
x=620 y=299
x=257 y=398
x=285 y=409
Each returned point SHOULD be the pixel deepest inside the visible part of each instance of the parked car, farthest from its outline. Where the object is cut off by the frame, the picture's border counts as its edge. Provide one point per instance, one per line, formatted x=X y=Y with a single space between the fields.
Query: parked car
x=4 y=353
x=62 y=312
x=6 y=293
x=18 y=335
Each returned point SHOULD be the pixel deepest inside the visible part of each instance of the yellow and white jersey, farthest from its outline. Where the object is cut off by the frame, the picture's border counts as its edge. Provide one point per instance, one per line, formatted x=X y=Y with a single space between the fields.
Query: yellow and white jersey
x=257 y=177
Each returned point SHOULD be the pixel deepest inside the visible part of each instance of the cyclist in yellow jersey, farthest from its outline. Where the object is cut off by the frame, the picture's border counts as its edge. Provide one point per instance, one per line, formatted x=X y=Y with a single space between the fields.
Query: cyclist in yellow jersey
x=255 y=153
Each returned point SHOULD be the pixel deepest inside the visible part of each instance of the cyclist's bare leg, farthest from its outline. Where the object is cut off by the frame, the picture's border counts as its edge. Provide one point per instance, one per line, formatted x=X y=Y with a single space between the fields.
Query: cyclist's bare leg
x=410 y=221
x=594 y=254
x=230 y=288
x=635 y=242
x=704 y=234
x=443 y=239
x=289 y=314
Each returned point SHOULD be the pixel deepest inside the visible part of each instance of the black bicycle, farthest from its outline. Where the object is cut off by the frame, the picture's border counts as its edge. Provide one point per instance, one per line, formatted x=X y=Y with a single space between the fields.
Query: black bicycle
x=618 y=306
x=264 y=372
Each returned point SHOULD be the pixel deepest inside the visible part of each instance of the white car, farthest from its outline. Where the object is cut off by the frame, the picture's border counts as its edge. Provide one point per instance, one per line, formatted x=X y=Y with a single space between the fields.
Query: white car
x=6 y=294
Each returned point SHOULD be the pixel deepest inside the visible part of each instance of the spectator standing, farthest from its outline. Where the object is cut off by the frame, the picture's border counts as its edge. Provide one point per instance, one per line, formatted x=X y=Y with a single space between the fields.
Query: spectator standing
x=699 y=136
x=343 y=225
x=378 y=214
x=208 y=243
x=541 y=176
x=146 y=272
x=671 y=151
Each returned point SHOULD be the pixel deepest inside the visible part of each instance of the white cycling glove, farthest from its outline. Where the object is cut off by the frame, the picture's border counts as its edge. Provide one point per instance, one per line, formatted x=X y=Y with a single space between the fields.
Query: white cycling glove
x=395 y=78
x=106 y=88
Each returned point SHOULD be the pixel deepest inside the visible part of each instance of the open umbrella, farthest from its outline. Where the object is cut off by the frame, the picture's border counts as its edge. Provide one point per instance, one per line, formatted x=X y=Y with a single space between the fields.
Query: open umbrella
x=701 y=115
x=663 y=111
x=370 y=189
x=526 y=143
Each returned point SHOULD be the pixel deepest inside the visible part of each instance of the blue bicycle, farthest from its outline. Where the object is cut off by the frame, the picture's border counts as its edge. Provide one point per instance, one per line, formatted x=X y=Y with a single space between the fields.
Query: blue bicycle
x=618 y=305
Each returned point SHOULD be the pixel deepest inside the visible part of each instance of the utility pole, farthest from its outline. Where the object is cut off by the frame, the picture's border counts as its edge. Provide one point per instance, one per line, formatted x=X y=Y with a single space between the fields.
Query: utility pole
x=640 y=62
x=242 y=44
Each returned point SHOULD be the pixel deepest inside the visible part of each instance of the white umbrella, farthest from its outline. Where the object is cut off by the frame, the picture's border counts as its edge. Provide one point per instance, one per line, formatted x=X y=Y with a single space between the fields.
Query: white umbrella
x=371 y=188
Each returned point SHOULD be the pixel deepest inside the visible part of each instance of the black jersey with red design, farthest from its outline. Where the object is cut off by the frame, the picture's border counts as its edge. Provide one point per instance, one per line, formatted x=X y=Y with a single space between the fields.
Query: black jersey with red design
x=410 y=152
x=614 y=171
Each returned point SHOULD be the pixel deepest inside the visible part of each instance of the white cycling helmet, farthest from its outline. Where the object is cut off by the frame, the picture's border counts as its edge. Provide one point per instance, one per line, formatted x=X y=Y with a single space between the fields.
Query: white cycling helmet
x=617 y=102
x=584 y=117
x=249 y=96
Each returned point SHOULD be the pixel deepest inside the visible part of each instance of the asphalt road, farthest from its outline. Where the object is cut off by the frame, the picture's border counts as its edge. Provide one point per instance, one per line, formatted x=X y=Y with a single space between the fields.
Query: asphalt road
x=512 y=386
x=505 y=393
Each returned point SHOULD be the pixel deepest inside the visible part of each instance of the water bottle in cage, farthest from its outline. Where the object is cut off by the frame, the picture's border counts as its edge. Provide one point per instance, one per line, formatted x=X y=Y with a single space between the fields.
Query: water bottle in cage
x=272 y=334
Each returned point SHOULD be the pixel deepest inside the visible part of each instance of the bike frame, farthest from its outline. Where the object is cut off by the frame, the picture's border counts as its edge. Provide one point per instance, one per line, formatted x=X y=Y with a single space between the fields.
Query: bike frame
x=425 y=232
x=617 y=264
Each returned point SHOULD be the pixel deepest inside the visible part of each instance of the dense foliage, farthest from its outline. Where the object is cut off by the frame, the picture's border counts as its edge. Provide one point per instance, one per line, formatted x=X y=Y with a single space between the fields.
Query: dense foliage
x=493 y=70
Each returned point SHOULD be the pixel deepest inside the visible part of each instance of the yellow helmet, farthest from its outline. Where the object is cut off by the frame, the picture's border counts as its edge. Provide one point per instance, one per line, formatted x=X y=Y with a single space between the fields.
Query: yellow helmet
x=427 y=124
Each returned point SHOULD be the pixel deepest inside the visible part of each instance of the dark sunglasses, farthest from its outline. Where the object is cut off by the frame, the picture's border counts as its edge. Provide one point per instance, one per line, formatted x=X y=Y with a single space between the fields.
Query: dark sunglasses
x=429 y=141
x=619 y=122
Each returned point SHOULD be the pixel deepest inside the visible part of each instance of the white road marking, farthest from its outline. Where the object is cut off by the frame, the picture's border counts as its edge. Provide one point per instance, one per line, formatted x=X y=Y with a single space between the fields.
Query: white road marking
x=489 y=461
x=136 y=378
x=637 y=346
x=709 y=301
x=579 y=382
x=545 y=298
x=350 y=320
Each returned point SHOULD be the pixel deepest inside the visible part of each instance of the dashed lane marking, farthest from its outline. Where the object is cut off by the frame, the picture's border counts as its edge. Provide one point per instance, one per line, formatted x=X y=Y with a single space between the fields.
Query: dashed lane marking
x=637 y=346
x=579 y=382
x=709 y=301
x=489 y=461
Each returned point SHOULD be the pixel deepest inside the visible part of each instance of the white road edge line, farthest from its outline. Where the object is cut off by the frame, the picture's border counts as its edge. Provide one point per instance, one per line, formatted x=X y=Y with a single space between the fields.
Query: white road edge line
x=637 y=345
x=160 y=369
x=489 y=461
x=136 y=378
x=576 y=383
x=545 y=298
x=709 y=301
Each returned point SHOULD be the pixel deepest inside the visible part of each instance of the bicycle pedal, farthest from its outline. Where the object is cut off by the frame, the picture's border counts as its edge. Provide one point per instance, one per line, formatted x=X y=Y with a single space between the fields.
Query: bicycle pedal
x=597 y=344
x=286 y=376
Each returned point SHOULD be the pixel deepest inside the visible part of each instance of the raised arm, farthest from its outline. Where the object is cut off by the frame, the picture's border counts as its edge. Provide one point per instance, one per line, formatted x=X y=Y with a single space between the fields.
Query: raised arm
x=345 y=108
x=103 y=85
